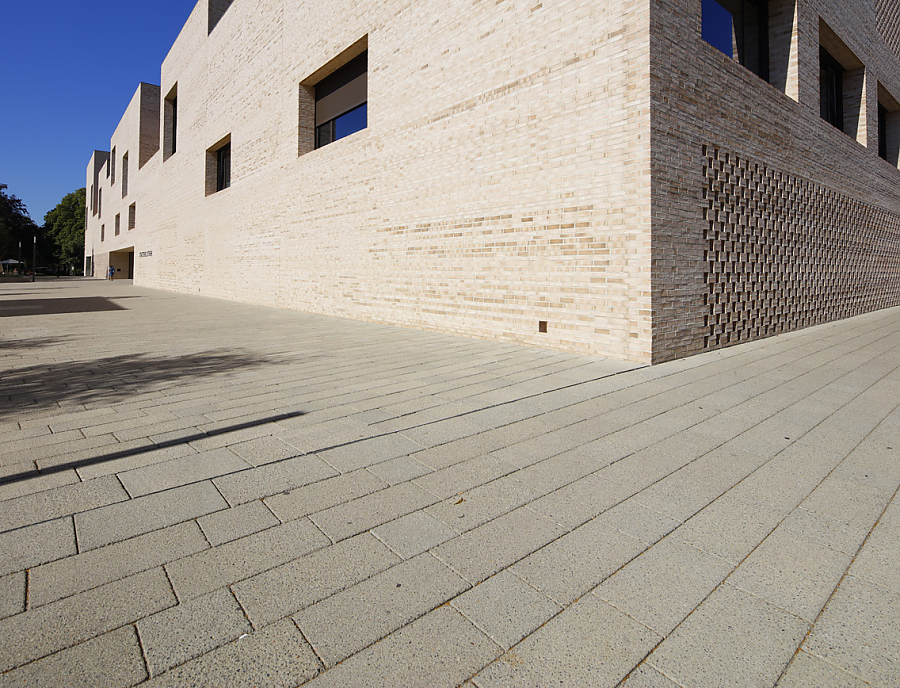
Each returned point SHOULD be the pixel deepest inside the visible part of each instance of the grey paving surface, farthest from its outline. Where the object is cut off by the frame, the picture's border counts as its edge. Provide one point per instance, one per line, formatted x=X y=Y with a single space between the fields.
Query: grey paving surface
x=201 y=493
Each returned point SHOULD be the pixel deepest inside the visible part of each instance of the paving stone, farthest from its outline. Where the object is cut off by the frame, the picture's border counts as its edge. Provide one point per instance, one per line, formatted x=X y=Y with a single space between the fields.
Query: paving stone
x=463 y=476
x=664 y=584
x=638 y=521
x=263 y=450
x=300 y=583
x=28 y=481
x=483 y=503
x=806 y=671
x=182 y=471
x=12 y=594
x=60 y=501
x=506 y=608
x=237 y=522
x=829 y=531
x=792 y=573
x=589 y=628
x=858 y=632
x=487 y=549
x=847 y=500
x=732 y=639
x=112 y=660
x=38 y=632
x=322 y=495
x=399 y=470
x=145 y=514
x=729 y=528
x=577 y=562
x=361 y=514
x=146 y=454
x=276 y=656
x=645 y=676
x=368 y=452
x=273 y=478
x=413 y=534
x=175 y=635
x=26 y=547
x=353 y=619
x=63 y=577
x=439 y=650
x=234 y=561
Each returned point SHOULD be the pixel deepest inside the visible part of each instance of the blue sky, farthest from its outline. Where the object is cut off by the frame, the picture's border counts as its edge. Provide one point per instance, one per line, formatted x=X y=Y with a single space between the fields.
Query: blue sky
x=68 y=69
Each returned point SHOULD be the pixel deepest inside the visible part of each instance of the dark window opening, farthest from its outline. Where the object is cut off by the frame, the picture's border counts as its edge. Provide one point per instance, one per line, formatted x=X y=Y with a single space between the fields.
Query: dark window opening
x=831 y=95
x=170 y=123
x=124 y=175
x=132 y=211
x=99 y=202
x=174 y=124
x=223 y=167
x=341 y=99
x=882 y=132
x=102 y=232
x=112 y=164
x=742 y=27
x=118 y=224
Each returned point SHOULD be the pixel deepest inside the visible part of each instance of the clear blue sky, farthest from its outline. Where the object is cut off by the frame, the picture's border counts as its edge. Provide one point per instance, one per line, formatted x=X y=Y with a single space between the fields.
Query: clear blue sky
x=68 y=69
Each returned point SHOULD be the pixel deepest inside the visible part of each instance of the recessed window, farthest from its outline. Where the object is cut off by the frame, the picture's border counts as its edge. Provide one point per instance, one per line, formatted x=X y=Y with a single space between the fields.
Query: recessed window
x=341 y=101
x=888 y=127
x=831 y=89
x=170 y=123
x=99 y=202
x=112 y=165
x=217 y=9
x=102 y=232
x=223 y=167
x=132 y=211
x=218 y=166
x=124 y=175
x=740 y=29
x=118 y=224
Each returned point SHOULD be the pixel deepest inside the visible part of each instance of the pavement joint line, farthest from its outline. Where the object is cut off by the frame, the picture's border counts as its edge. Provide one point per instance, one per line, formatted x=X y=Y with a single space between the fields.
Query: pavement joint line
x=322 y=666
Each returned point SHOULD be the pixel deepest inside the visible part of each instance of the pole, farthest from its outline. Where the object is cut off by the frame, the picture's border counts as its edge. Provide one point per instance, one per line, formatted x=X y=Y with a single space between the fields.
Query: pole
x=20 y=251
x=34 y=259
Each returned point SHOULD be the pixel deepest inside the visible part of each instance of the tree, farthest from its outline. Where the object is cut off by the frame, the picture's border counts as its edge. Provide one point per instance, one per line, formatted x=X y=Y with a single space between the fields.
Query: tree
x=64 y=226
x=15 y=226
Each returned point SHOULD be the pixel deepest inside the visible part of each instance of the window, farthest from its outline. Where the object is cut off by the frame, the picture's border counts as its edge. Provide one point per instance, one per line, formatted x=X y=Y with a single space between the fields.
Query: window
x=92 y=198
x=882 y=132
x=118 y=225
x=99 y=202
x=888 y=127
x=340 y=102
x=102 y=232
x=831 y=93
x=218 y=166
x=131 y=216
x=125 y=175
x=217 y=8
x=112 y=166
x=170 y=123
x=740 y=29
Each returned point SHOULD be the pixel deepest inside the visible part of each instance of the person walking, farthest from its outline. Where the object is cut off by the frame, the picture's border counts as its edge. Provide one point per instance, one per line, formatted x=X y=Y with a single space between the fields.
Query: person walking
x=112 y=271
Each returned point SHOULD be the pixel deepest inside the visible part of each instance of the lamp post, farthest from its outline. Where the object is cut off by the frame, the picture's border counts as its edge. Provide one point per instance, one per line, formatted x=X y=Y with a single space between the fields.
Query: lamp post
x=34 y=259
x=20 y=251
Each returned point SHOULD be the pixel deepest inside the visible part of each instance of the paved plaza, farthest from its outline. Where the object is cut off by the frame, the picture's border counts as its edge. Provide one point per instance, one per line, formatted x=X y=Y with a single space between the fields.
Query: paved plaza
x=195 y=492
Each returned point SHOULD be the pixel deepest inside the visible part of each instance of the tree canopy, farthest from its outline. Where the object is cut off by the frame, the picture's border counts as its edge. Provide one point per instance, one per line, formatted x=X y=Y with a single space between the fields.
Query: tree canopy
x=64 y=226
x=15 y=226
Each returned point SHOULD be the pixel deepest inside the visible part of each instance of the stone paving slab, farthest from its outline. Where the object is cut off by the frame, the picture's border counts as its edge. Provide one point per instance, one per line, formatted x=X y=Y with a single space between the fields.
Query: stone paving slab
x=314 y=501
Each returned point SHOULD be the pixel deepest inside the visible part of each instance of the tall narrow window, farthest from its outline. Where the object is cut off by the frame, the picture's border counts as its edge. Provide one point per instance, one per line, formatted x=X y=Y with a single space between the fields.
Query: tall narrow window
x=118 y=225
x=341 y=99
x=112 y=166
x=99 y=202
x=882 y=132
x=102 y=232
x=132 y=211
x=831 y=93
x=170 y=123
x=223 y=167
x=740 y=29
x=92 y=198
x=124 y=175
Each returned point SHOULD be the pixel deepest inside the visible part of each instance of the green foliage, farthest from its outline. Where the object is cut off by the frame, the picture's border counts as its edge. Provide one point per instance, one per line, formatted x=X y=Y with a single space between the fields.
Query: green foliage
x=15 y=226
x=64 y=226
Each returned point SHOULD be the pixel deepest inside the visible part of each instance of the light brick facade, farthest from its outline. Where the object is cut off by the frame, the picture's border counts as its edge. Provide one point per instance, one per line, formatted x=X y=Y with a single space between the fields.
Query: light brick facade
x=594 y=165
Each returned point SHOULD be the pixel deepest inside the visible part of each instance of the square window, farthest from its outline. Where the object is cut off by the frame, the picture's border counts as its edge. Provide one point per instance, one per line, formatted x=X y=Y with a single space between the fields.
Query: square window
x=218 y=166
x=339 y=100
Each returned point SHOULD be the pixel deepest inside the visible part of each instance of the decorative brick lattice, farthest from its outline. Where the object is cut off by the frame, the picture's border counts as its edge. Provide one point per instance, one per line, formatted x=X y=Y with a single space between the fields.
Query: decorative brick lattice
x=785 y=253
x=888 y=14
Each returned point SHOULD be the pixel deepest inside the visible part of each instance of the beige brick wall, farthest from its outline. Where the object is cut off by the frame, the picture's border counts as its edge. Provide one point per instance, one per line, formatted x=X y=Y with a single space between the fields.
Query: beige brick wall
x=501 y=179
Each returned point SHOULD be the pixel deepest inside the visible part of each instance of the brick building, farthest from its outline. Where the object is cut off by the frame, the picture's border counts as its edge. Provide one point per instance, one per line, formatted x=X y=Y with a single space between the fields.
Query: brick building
x=641 y=179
